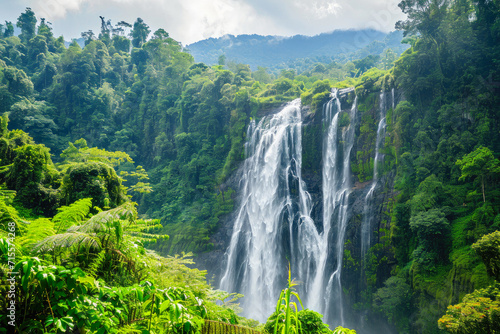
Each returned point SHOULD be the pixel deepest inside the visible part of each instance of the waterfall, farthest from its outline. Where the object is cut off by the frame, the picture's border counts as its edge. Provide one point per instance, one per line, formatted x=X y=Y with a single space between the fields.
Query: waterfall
x=317 y=298
x=272 y=225
x=325 y=294
x=369 y=207
x=392 y=95
x=340 y=204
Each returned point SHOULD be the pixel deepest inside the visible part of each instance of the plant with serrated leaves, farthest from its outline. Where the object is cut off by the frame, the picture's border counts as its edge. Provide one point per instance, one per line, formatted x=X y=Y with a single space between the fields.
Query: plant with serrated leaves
x=72 y=214
x=116 y=232
x=287 y=320
x=342 y=330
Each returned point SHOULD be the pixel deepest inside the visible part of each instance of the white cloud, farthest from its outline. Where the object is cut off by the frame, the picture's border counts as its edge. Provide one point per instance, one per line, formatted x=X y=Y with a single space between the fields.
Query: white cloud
x=320 y=9
x=192 y=20
x=55 y=9
x=220 y=17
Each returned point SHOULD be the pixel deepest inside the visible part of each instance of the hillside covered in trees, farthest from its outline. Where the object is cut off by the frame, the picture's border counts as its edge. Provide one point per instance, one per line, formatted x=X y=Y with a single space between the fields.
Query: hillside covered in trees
x=117 y=156
x=298 y=52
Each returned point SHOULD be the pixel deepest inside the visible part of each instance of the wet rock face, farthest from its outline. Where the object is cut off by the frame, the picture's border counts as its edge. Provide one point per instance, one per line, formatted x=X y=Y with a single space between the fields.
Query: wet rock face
x=312 y=151
x=214 y=261
x=312 y=142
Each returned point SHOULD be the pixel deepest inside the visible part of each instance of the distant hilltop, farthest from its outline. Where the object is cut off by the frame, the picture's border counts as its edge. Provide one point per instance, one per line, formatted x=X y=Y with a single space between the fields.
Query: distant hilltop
x=277 y=51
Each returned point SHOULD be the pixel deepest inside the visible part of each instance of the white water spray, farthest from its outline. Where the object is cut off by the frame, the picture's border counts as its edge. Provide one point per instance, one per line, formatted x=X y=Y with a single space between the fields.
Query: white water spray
x=273 y=197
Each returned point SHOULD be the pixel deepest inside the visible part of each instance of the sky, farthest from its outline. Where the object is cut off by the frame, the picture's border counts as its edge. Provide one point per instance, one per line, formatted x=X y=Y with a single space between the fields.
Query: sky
x=191 y=20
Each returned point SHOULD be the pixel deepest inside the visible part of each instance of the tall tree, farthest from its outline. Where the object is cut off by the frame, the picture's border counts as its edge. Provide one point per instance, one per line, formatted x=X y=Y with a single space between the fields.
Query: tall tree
x=27 y=22
x=9 y=29
x=121 y=26
x=88 y=36
x=488 y=247
x=45 y=30
x=423 y=16
x=479 y=163
x=140 y=33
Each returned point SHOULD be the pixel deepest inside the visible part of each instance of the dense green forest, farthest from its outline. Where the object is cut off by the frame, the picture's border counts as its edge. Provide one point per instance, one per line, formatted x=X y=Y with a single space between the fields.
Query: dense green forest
x=113 y=159
x=184 y=122
x=298 y=52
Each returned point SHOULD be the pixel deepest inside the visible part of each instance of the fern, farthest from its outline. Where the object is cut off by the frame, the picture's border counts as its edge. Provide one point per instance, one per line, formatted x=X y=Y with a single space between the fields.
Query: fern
x=228 y=300
x=96 y=264
x=82 y=153
x=8 y=214
x=7 y=195
x=146 y=225
x=67 y=240
x=85 y=235
x=175 y=271
x=104 y=219
x=5 y=245
x=116 y=236
x=141 y=231
x=72 y=214
x=4 y=269
x=36 y=231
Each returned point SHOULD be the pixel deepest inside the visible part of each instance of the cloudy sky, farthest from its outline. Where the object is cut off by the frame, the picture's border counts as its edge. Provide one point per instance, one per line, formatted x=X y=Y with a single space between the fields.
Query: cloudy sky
x=191 y=20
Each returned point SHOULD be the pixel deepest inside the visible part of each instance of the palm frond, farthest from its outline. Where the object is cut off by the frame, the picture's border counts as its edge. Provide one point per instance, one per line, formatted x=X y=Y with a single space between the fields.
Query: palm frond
x=67 y=240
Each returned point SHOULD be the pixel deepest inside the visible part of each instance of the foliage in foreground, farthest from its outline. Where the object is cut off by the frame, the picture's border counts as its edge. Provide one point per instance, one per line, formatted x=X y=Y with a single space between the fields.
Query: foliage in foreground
x=92 y=273
x=287 y=319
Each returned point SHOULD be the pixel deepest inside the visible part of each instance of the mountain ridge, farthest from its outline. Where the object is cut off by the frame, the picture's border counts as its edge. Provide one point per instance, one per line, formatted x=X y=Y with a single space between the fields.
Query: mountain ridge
x=278 y=51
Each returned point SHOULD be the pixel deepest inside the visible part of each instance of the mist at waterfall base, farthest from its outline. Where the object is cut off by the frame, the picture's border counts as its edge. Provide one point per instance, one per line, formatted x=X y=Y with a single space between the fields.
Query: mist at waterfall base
x=273 y=227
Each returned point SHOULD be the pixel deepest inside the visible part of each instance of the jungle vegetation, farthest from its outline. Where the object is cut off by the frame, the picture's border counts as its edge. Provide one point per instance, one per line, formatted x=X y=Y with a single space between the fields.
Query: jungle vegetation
x=107 y=149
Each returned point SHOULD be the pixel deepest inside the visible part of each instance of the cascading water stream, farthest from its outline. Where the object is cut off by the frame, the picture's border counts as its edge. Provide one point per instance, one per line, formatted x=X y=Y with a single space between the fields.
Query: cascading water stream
x=368 y=212
x=393 y=101
x=326 y=297
x=334 y=287
x=331 y=110
x=273 y=197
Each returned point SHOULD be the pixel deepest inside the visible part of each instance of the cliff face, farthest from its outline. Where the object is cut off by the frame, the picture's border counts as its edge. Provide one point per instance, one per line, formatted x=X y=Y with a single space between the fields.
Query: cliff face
x=214 y=261
x=361 y=272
